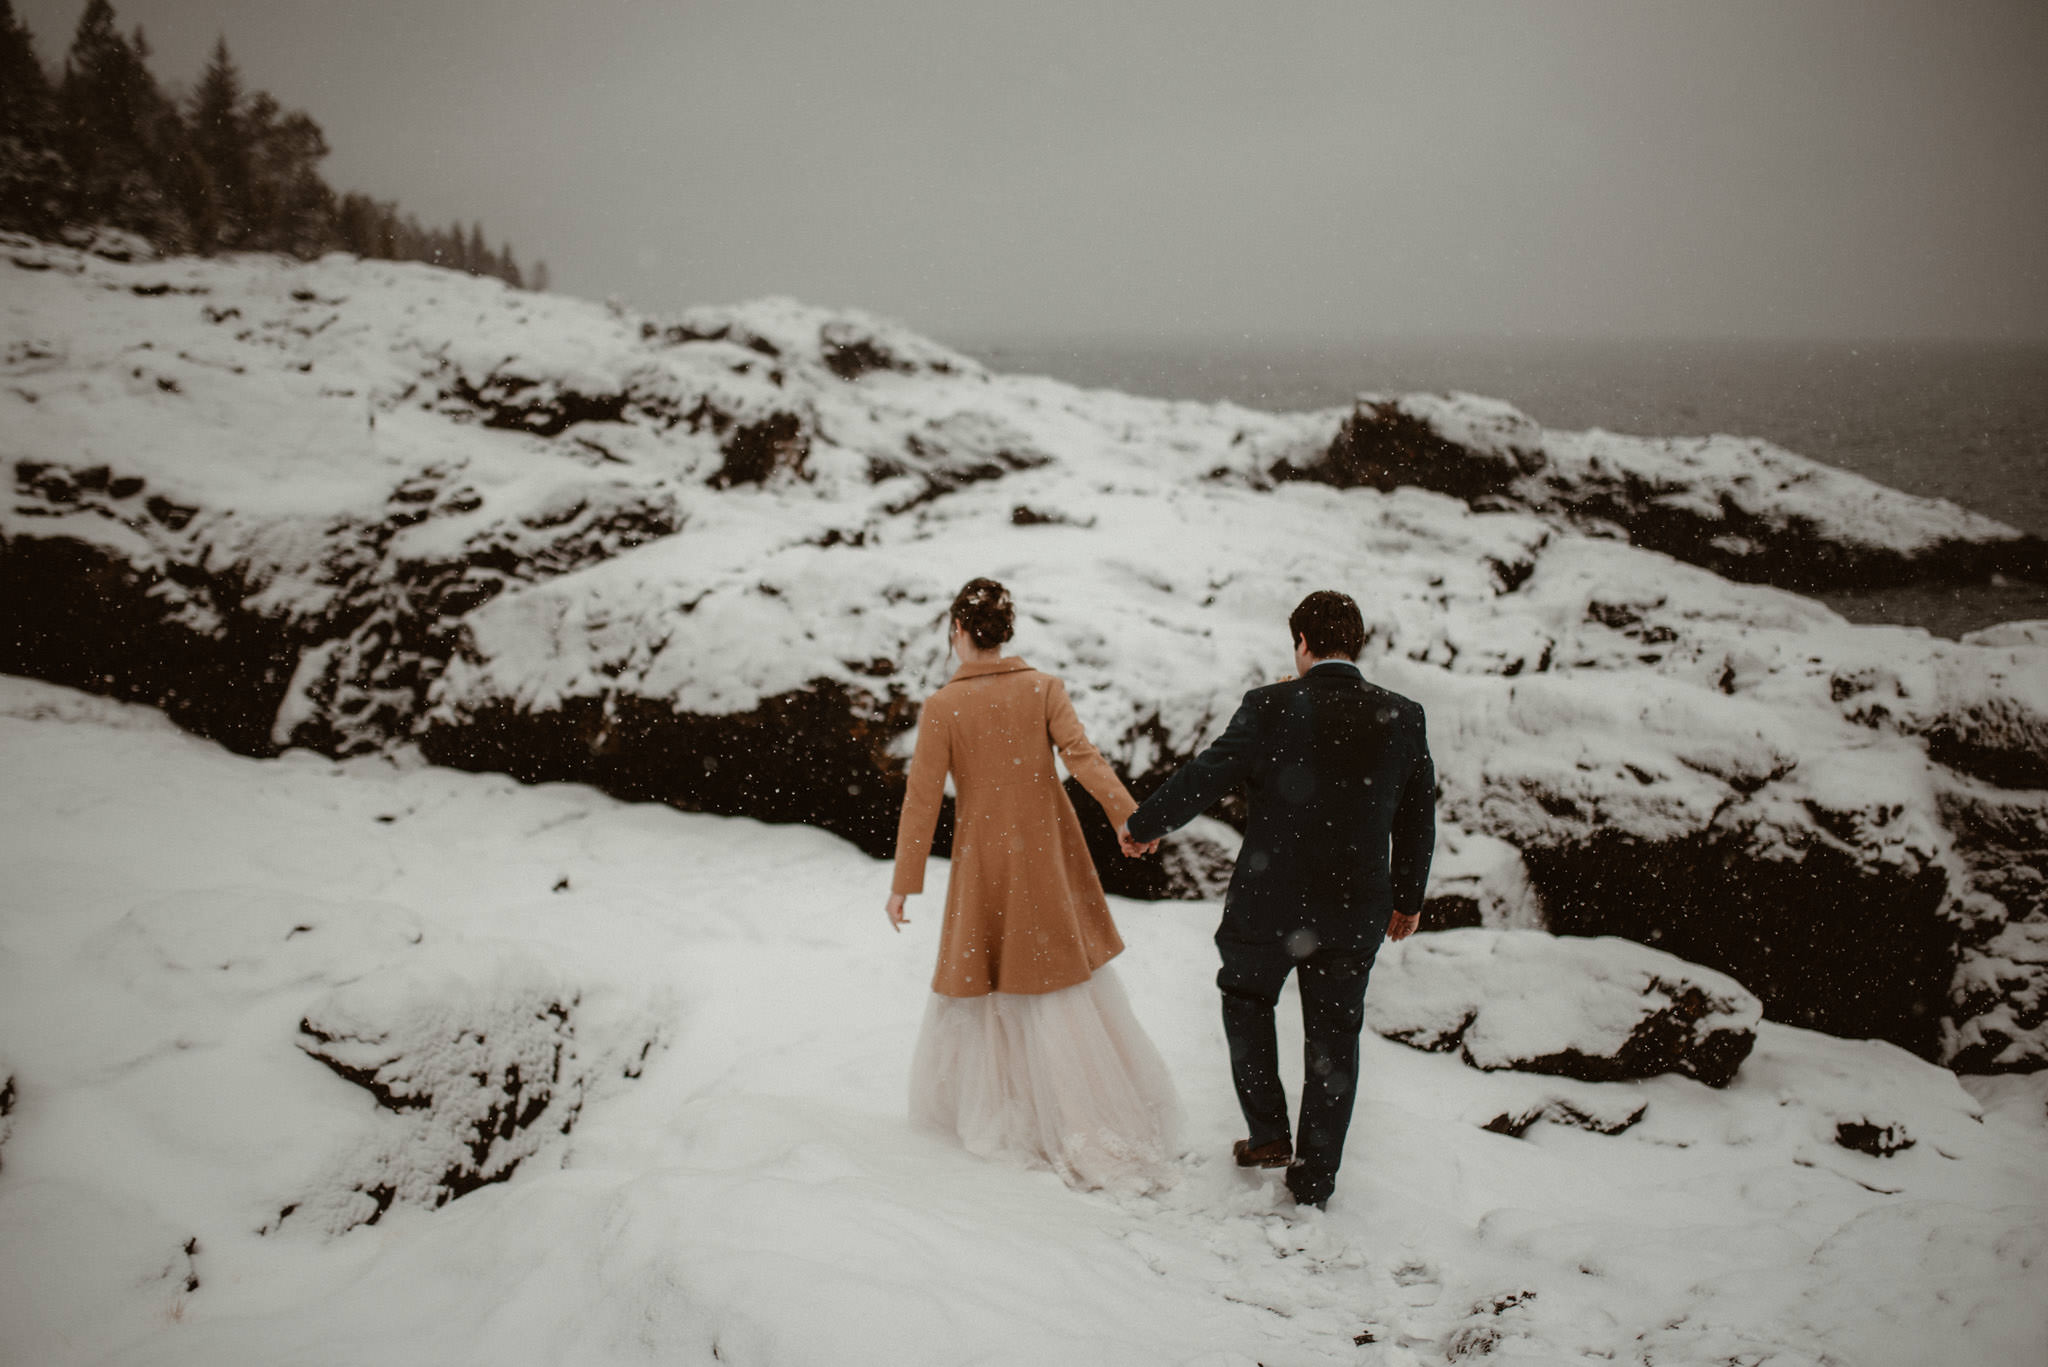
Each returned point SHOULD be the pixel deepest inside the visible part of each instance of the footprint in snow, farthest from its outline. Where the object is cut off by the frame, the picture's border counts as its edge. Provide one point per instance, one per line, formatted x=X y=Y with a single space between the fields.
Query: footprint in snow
x=1417 y=1282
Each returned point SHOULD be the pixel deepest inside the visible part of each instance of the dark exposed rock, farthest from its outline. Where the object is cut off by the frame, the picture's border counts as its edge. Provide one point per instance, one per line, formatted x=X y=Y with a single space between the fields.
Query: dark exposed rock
x=1025 y=516
x=6 y=1108
x=73 y=613
x=851 y=352
x=1868 y=954
x=1381 y=446
x=1993 y=741
x=758 y=451
x=319 y=1043
x=1562 y=1111
x=522 y=405
x=1878 y=1139
x=1451 y=912
x=815 y=755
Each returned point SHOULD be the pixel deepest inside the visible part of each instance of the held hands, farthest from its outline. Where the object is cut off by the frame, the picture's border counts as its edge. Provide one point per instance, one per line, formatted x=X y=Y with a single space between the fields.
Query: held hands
x=1132 y=848
x=1400 y=926
x=897 y=920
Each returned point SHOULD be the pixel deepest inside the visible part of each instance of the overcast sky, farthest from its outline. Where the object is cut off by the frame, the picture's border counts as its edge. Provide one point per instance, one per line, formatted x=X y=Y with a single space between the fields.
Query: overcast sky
x=1206 y=168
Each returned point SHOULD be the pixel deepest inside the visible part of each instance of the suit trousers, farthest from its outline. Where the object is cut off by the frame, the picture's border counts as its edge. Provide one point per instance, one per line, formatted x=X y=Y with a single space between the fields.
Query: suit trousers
x=1332 y=982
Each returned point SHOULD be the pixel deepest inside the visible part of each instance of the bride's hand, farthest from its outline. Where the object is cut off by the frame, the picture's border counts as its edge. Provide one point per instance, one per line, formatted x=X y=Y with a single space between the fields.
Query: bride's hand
x=896 y=917
x=1133 y=849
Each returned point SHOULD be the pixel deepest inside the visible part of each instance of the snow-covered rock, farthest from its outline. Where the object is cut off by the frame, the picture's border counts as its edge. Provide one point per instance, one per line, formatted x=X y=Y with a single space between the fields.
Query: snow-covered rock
x=476 y=1060
x=375 y=507
x=1479 y=880
x=1743 y=508
x=2009 y=634
x=1602 y=1009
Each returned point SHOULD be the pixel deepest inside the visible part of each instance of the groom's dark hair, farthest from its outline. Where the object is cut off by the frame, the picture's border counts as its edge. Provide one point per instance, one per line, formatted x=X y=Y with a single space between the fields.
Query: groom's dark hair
x=1330 y=623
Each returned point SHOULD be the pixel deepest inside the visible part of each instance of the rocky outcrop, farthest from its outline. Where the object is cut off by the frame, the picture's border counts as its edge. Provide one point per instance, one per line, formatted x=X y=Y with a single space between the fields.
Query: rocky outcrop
x=1600 y=1010
x=355 y=506
x=1742 y=508
x=115 y=615
x=1887 y=947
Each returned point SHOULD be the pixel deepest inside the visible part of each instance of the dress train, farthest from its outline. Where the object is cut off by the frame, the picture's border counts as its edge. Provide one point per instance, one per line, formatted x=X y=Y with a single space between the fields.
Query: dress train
x=1066 y=1079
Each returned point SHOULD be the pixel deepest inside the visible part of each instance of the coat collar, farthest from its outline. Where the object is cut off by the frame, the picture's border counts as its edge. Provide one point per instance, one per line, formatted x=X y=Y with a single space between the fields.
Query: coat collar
x=1009 y=664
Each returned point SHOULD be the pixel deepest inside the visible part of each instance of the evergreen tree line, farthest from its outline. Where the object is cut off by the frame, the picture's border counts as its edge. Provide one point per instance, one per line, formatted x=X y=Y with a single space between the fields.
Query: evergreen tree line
x=227 y=169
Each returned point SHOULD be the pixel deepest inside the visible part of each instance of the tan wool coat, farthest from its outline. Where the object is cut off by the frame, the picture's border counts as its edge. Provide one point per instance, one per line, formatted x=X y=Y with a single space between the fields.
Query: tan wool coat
x=1024 y=910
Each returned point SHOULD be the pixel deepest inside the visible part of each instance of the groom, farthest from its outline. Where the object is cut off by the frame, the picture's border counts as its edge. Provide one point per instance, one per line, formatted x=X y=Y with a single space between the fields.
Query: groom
x=1336 y=853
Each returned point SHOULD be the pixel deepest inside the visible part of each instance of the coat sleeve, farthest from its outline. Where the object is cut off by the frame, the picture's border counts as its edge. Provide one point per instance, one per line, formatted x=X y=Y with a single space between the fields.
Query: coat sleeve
x=1198 y=784
x=1414 y=832
x=1083 y=760
x=921 y=798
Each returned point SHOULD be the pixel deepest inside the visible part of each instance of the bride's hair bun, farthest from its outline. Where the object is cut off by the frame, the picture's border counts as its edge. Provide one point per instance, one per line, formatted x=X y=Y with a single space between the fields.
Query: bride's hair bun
x=983 y=610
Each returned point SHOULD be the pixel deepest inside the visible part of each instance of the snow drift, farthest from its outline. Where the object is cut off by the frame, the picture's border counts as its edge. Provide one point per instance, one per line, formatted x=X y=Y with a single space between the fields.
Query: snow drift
x=741 y=1183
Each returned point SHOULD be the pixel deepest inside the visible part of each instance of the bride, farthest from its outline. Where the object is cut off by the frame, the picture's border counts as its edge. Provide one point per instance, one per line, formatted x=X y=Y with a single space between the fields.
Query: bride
x=1029 y=1050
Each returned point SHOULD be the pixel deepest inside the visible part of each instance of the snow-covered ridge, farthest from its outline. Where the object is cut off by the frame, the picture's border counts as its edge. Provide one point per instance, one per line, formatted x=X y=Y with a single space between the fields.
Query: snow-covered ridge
x=1744 y=508
x=357 y=505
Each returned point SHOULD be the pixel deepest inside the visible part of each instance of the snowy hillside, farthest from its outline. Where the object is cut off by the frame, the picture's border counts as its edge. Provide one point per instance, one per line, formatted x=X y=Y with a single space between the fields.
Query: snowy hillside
x=247 y=1005
x=357 y=507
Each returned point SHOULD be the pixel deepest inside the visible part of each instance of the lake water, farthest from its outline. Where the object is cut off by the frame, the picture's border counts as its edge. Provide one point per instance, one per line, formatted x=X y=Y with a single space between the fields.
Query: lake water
x=1964 y=421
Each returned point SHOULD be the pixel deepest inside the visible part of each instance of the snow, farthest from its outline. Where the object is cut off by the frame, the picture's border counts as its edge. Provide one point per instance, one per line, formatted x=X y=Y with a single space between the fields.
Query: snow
x=750 y=1189
x=2010 y=634
x=440 y=510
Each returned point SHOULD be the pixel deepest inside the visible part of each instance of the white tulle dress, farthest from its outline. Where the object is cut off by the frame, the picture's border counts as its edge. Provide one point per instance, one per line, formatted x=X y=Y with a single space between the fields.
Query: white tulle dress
x=1066 y=1079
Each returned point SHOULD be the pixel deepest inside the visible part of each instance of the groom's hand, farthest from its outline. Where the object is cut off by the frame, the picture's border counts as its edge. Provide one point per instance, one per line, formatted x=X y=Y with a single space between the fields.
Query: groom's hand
x=1400 y=927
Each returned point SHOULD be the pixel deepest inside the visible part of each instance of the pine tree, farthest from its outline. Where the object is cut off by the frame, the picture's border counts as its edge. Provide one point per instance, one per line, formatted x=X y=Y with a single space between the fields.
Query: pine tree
x=540 y=276
x=291 y=209
x=409 y=240
x=34 y=179
x=181 y=176
x=356 y=219
x=307 y=202
x=508 y=267
x=114 y=126
x=221 y=141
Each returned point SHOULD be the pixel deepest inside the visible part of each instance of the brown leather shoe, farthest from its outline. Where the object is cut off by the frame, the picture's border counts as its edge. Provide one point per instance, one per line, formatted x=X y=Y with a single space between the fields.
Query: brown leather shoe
x=1277 y=1154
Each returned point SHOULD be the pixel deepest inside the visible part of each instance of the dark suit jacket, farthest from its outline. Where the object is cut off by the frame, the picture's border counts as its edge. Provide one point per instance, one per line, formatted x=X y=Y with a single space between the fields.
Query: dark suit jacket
x=1343 y=808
